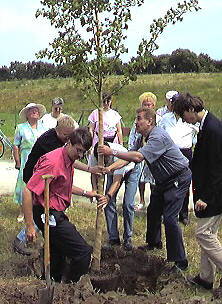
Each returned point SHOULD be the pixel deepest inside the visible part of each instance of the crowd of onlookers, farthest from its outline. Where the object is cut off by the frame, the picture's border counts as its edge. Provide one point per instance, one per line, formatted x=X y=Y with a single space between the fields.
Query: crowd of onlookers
x=167 y=148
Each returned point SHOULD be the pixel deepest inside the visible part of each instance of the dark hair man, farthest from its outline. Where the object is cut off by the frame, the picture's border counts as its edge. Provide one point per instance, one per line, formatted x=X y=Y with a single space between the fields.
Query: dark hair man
x=172 y=176
x=184 y=136
x=207 y=185
x=65 y=240
x=48 y=141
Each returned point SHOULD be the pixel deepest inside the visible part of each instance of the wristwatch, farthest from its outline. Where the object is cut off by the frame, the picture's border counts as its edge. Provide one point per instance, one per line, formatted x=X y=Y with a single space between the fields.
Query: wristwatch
x=84 y=193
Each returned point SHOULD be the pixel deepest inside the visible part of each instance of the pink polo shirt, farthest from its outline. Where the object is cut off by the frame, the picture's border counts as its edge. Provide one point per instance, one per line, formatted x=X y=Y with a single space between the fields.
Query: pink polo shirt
x=60 y=165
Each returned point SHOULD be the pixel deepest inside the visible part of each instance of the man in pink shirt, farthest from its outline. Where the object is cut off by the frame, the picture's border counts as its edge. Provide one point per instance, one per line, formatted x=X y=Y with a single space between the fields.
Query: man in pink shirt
x=65 y=240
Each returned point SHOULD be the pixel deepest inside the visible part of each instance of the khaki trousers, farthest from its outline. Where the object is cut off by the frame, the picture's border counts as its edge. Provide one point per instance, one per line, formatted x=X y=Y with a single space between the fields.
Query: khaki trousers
x=211 y=248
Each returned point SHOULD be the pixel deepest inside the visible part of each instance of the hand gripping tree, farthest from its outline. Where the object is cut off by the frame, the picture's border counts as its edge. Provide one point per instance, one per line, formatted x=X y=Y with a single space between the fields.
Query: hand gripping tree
x=89 y=33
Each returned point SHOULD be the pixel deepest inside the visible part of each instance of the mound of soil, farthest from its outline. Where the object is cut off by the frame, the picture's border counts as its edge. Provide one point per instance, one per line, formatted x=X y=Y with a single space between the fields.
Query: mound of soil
x=124 y=278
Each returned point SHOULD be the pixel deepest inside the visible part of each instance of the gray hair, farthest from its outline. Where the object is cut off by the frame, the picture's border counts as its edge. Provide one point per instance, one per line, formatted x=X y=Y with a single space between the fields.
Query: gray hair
x=66 y=121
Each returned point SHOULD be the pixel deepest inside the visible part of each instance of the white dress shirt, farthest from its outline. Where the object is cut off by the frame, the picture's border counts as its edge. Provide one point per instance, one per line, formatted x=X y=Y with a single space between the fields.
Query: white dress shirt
x=182 y=133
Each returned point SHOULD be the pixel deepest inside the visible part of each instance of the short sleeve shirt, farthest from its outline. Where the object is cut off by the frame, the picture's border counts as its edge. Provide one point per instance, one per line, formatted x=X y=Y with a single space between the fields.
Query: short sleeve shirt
x=110 y=119
x=60 y=165
x=182 y=133
x=162 y=155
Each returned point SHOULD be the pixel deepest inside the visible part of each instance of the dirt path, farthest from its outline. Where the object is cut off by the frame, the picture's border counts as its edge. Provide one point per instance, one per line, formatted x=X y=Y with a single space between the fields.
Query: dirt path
x=8 y=176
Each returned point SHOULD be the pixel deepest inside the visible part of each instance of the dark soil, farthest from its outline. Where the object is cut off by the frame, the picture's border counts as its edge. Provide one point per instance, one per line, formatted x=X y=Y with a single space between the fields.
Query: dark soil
x=125 y=278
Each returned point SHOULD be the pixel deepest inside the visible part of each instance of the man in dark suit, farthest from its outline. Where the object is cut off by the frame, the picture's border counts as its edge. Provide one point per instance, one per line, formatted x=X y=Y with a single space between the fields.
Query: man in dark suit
x=207 y=183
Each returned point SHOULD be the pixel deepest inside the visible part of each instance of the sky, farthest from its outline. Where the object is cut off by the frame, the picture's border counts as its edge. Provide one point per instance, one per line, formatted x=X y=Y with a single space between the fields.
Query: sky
x=22 y=35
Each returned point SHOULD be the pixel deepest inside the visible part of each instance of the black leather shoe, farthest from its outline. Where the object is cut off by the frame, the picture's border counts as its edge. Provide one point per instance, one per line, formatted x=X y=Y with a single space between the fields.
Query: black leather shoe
x=128 y=245
x=114 y=242
x=151 y=247
x=20 y=247
x=200 y=282
x=183 y=265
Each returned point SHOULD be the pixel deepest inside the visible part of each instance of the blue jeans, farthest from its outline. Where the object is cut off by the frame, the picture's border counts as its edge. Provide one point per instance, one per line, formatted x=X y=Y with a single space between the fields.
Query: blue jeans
x=131 y=180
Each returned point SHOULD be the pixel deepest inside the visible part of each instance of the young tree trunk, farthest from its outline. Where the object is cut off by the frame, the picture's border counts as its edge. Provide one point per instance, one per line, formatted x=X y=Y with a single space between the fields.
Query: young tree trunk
x=100 y=213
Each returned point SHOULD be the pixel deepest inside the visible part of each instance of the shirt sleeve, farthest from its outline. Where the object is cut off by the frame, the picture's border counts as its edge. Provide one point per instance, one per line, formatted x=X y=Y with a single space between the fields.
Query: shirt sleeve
x=137 y=143
x=118 y=116
x=132 y=137
x=153 y=149
x=93 y=117
x=17 y=137
x=36 y=183
x=120 y=171
x=92 y=160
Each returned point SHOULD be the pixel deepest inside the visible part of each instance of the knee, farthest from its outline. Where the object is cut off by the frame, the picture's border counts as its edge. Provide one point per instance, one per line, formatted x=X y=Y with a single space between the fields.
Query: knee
x=128 y=207
x=170 y=222
x=200 y=235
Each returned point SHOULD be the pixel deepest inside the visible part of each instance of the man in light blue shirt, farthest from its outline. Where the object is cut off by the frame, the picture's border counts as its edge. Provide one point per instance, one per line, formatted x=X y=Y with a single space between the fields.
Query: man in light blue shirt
x=172 y=175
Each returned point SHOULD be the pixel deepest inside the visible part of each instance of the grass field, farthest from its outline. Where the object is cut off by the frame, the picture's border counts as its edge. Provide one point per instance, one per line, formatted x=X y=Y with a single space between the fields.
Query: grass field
x=15 y=95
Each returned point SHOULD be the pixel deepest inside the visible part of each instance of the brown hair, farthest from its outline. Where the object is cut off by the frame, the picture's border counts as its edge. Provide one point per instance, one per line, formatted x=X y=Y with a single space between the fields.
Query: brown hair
x=81 y=136
x=148 y=113
x=185 y=102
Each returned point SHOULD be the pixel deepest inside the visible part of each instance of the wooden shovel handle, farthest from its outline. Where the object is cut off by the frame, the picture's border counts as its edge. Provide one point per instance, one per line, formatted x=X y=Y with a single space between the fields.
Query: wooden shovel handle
x=47 y=178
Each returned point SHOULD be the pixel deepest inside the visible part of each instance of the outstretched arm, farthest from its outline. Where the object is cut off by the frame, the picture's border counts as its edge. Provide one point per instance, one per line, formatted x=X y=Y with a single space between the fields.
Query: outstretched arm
x=27 y=207
x=104 y=200
x=80 y=166
x=119 y=133
x=16 y=157
x=131 y=156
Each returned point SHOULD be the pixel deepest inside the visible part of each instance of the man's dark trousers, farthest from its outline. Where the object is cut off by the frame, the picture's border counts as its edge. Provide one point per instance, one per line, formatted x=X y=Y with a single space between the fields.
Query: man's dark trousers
x=167 y=200
x=65 y=241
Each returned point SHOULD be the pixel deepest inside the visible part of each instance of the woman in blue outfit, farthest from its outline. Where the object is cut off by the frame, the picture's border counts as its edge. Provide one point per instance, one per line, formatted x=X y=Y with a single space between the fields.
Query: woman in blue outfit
x=26 y=135
x=147 y=100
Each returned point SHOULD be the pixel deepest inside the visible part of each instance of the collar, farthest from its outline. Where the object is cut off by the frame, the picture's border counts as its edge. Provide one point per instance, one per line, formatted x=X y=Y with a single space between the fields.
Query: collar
x=146 y=139
x=68 y=162
x=203 y=119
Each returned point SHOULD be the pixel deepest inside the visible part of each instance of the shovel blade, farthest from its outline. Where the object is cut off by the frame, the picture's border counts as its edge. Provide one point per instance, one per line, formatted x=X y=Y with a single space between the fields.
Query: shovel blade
x=46 y=294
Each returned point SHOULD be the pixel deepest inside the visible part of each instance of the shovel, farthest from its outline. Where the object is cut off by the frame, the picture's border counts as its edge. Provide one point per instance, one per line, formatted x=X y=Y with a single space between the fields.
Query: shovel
x=46 y=294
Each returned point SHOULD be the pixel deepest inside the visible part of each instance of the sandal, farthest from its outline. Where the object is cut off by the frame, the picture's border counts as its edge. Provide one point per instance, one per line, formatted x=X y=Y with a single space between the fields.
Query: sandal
x=138 y=207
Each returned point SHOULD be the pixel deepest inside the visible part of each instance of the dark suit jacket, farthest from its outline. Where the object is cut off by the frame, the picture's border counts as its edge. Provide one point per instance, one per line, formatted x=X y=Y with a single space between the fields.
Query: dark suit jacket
x=207 y=167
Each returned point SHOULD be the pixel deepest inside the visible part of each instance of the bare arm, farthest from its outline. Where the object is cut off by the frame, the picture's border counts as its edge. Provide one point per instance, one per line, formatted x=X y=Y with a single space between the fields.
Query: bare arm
x=16 y=157
x=119 y=133
x=115 y=185
x=82 y=192
x=131 y=156
x=94 y=181
x=104 y=200
x=27 y=207
x=117 y=165
x=80 y=166
x=92 y=128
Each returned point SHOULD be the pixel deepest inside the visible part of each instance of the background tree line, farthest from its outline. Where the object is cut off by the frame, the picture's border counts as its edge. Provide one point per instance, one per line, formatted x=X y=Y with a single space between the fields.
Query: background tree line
x=180 y=61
